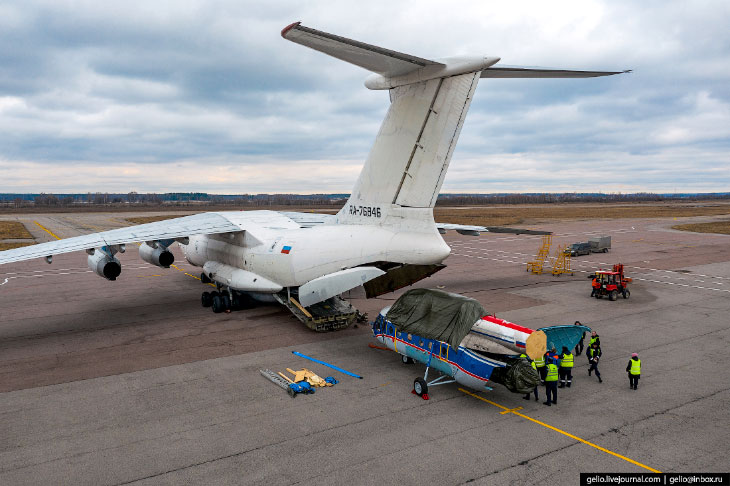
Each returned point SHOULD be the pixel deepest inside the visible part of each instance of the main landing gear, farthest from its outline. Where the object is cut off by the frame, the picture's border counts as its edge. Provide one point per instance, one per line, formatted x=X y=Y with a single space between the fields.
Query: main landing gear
x=226 y=300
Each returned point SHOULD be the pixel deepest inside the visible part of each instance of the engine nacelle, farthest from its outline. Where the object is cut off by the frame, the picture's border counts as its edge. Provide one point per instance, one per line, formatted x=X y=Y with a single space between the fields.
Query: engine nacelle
x=160 y=256
x=104 y=265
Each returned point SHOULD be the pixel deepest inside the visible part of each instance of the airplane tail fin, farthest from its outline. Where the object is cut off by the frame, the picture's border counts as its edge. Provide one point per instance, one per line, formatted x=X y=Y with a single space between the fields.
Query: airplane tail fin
x=409 y=158
x=408 y=161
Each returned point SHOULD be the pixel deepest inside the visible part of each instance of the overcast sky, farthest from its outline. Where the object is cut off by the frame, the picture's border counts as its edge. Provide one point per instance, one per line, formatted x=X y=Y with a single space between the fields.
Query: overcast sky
x=207 y=96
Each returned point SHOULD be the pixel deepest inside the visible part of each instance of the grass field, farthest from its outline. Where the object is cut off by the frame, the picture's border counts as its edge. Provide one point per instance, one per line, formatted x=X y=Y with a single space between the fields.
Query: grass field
x=13 y=230
x=152 y=219
x=721 y=227
x=532 y=214
x=510 y=215
x=10 y=246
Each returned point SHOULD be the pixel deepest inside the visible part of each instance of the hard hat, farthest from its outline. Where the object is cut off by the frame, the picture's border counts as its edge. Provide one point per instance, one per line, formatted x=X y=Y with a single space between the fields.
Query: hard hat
x=634 y=355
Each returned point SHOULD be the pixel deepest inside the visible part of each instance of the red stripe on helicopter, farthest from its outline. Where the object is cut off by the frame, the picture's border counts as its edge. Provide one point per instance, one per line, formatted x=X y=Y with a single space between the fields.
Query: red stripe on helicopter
x=511 y=325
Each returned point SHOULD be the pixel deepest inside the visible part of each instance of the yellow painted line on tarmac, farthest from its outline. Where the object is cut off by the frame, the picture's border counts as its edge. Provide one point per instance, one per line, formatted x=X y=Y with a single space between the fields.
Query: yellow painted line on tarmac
x=509 y=410
x=189 y=275
x=46 y=230
x=514 y=411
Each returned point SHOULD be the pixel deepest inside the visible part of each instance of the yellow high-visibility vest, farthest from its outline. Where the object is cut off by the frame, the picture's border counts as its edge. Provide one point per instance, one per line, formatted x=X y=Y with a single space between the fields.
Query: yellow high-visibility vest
x=552 y=373
x=567 y=361
x=533 y=366
x=540 y=362
x=635 y=367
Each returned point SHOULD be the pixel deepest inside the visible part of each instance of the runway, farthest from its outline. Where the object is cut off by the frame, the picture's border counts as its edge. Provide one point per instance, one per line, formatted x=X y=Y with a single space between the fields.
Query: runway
x=133 y=382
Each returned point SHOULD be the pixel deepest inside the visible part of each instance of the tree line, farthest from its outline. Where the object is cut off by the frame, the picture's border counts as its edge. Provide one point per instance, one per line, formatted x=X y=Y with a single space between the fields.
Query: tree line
x=262 y=200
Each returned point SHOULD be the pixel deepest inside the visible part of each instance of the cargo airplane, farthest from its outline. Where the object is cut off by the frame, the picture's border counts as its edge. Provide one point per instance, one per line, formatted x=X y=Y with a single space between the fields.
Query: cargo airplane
x=384 y=237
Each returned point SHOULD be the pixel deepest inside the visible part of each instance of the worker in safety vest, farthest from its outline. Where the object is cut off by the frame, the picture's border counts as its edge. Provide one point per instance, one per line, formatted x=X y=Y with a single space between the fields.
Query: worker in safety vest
x=566 y=368
x=579 y=346
x=540 y=366
x=594 y=354
x=634 y=371
x=551 y=381
x=594 y=339
x=527 y=396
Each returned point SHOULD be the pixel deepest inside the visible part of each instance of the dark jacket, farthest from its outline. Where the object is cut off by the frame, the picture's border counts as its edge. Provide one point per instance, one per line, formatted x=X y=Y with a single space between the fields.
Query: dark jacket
x=596 y=355
x=628 y=366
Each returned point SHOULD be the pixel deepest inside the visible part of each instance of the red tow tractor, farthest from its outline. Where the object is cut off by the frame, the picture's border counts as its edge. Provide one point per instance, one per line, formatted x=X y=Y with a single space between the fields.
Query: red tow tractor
x=611 y=283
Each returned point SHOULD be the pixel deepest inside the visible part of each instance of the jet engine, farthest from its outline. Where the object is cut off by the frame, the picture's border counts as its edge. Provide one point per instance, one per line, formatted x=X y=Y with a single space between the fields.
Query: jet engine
x=104 y=265
x=159 y=255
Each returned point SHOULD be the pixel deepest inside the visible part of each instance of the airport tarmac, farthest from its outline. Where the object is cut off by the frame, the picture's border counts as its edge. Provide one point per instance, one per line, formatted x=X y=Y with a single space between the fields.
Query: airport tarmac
x=133 y=382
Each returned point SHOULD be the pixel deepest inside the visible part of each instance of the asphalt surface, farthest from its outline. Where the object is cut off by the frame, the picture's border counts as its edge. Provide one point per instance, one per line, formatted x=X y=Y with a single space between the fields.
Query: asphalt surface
x=133 y=382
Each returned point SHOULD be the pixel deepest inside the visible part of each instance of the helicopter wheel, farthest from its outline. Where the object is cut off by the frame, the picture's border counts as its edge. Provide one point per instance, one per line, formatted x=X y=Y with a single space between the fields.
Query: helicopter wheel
x=420 y=388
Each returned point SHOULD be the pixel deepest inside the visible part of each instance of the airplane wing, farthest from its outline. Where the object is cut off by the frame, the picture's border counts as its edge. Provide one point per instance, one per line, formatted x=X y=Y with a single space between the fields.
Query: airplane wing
x=373 y=58
x=529 y=72
x=308 y=220
x=197 y=224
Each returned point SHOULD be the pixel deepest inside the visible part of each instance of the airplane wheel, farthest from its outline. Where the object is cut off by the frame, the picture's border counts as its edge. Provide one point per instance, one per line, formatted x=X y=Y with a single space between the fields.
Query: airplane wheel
x=206 y=299
x=226 y=301
x=406 y=359
x=613 y=295
x=420 y=387
x=218 y=304
x=204 y=278
x=627 y=294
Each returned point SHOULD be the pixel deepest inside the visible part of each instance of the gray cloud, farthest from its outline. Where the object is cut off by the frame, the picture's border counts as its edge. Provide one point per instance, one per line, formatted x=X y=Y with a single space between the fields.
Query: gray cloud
x=99 y=97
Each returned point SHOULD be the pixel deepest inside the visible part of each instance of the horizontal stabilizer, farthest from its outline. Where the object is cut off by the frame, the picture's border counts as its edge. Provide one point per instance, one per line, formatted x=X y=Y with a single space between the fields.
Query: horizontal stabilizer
x=462 y=229
x=526 y=72
x=373 y=58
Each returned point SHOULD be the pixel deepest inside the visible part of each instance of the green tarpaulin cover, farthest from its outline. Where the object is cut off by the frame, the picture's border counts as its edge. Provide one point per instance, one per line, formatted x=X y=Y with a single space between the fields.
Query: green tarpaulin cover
x=435 y=314
x=518 y=376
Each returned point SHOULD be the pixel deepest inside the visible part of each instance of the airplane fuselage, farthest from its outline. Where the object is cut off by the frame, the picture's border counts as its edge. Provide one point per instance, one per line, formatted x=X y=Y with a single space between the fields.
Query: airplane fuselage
x=293 y=256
